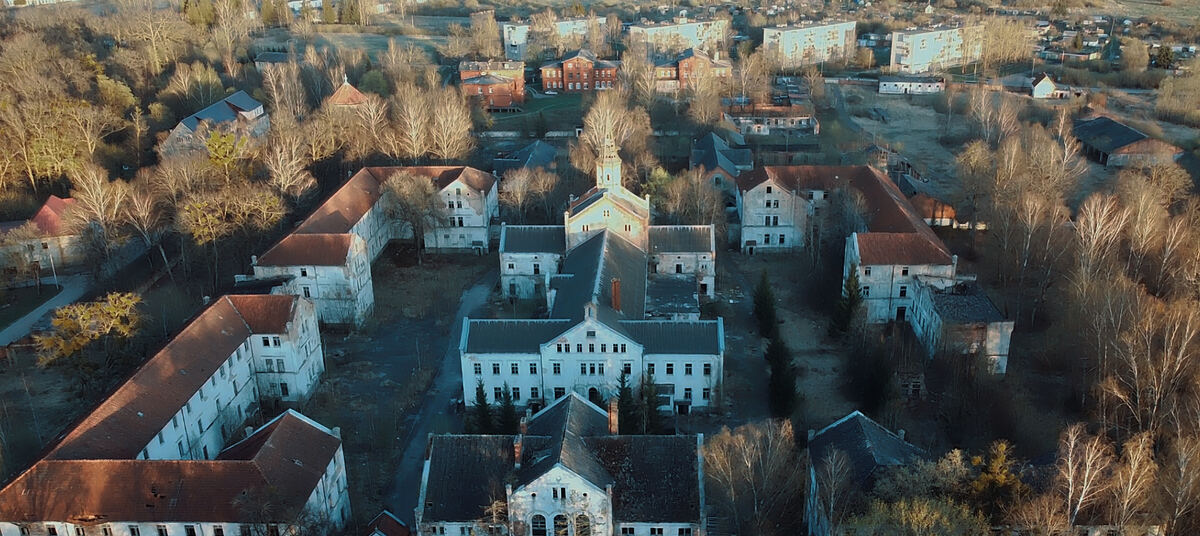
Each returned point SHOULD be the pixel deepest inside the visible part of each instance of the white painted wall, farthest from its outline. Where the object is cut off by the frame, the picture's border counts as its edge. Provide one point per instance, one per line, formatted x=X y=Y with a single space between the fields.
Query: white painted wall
x=792 y=211
x=811 y=44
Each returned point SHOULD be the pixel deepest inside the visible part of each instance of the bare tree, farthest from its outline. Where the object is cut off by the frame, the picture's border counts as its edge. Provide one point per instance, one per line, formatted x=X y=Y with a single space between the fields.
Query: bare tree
x=450 y=129
x=1083 y=462
x=287 y=158
x=413 y=201
x=704 y=94
x=1042 y=515
x=284 y=88
x=145 y=216
x=99 y=206
x=835 y=491
x=413 y=118
x=756 y=477
x=1181 y=481
x=1133 y=480
x=517 y=191
x=637 y=75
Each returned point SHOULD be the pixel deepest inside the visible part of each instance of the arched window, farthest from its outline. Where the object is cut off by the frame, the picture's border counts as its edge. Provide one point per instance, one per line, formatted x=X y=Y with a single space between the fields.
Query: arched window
x=583 y=526
x=560 y=525
x=538 y=526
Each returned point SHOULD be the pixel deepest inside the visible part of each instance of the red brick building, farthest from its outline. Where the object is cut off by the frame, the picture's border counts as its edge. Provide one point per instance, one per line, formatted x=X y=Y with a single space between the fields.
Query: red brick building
x=674 y=75
x=498 y=84
x=580 y=71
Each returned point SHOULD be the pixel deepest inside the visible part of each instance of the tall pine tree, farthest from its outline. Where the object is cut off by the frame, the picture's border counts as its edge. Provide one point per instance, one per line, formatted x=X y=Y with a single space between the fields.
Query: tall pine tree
x=481 y=412
x=781 y=387
x=651 y=420
x=764 y=308
x=627 y=407
x=847 y=304
x=507 y=420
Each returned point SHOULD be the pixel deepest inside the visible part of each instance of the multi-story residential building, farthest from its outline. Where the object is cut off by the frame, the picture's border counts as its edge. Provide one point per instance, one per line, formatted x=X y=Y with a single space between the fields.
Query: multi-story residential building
x=623 y=300
x=680 y=73
x=161 y=438
x=811 y=42
x=499 y=84
x=922 y=51
x=681 y=34
x=566 y=471
x=239 y=114
x=516 y=34
x=327 y=257
x=580 y=71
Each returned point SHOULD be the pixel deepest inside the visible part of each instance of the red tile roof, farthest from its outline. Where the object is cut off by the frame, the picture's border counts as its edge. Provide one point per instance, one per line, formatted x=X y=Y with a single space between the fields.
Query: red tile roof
x=264 y=313
x=889 y=214
x=346 y=206
x=930 y=208
x=347 y=95
x=49 y=218
x=443 y=176
x=299 y=249
x=130 y=418
x=281 y=462
x=387 y=524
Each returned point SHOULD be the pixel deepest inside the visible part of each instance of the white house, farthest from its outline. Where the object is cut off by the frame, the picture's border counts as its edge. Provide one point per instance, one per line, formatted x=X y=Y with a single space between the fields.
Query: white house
x=811 y=42
x=239 y=114
x=161 y=438
x=962 y=320
x=922 y=51
x=623 y=299
x=566 y=472
x=911 y=85
x=328 y=256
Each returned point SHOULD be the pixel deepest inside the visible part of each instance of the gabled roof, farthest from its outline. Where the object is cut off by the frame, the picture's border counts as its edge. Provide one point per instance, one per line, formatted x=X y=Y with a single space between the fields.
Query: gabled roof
x=346 y=95
x=281 y=462
x=697 y=337
x=49 y=218
x=444 y=176
x=346 y=206
x=538 y=154
x=1109 y=136
x=912 y=249
x=583 y=54
x=654 y=478
x=866 y=443
x=222 y=111
x=681 y=239
x=1042 y=77
x=587 y=273
x=712 y=153
x=129 y=419
x=511 y=336
x=617 y=196
x=387 y=524
x=305 y=249
x=533 y=239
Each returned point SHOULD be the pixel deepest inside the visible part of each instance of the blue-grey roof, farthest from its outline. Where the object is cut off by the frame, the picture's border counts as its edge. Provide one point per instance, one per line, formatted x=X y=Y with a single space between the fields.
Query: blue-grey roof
x=965 y=304
x=693 y=337
x=594 y=195
x=1106 y=135
x=587 y=274
x=681 y=238
x=487 y=80
x=511 y=336
x=538 y=154
x=533 y=239
x=713 y=153
x=222 y=111
x=866 y=443
x=654 y=478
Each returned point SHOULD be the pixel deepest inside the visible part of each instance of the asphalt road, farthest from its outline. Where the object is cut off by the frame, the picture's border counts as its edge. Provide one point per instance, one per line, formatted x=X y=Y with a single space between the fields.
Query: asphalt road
x=435 y=415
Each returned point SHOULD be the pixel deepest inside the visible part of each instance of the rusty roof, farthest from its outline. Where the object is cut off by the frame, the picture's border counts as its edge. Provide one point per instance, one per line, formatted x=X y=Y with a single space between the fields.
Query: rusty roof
x=347 y=95
x=900 y=248
x=281 y=462
x=129 y=419
x=443 y=176
x=264 y=313
x=300 y=249
x=346 y=206
x=49 y=218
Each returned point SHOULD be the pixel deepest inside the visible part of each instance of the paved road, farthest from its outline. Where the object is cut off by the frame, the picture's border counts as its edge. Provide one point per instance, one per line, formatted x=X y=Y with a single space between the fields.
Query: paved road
x=74 y=287
x=435 y=415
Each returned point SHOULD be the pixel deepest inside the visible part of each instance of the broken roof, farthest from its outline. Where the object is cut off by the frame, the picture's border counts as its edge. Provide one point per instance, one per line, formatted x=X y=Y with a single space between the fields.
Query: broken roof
x=468 y=472
x=866 y=443
x=282 y=462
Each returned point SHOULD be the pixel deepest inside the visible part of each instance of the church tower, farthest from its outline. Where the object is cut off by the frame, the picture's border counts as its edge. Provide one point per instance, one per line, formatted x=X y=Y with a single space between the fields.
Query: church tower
x=608 y=166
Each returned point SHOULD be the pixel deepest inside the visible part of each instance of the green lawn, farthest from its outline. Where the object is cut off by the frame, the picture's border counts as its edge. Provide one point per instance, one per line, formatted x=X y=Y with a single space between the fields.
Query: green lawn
x=561 y=112
x=18 y=302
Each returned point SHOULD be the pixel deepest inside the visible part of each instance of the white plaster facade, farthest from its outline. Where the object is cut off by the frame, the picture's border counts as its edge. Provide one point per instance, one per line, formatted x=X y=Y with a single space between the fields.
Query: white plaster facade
x=343 y=293
x=889 y=291
x=922 y=51
x=811 y=43
x=911 y=85
x=776 y=218
x=681 y=33
x=516 y=34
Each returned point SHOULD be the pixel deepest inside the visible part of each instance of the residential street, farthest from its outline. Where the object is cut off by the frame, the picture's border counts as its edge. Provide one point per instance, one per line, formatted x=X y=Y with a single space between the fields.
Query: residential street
x=436 y=415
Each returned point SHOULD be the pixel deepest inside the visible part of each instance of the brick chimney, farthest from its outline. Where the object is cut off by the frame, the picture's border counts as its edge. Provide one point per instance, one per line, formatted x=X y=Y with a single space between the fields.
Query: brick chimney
x=616 y=294
x=524 y=425
x=613 y=416
x=518 y=446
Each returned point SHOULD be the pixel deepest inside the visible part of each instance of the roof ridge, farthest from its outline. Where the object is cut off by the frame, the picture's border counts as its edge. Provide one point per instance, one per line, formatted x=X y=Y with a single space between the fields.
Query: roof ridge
x=238 y=312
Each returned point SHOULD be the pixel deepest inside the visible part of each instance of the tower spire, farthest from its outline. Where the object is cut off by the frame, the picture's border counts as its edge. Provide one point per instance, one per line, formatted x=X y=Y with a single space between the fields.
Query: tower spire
x=608 y=165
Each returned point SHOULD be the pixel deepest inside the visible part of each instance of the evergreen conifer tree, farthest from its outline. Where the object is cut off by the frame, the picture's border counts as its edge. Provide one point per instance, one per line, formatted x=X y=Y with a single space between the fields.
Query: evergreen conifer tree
x=627 y=407
x=481 y=412
x=507 y=420
x=764 y=308
x=847 y=304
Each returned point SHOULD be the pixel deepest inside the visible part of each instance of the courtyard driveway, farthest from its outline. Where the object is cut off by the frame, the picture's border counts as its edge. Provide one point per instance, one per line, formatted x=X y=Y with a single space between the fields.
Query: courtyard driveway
x=74 y=287
x=435 y=416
